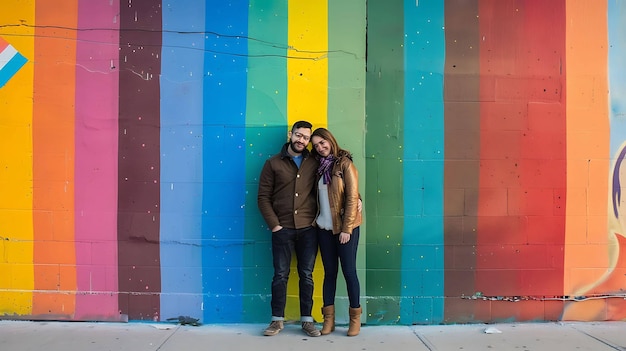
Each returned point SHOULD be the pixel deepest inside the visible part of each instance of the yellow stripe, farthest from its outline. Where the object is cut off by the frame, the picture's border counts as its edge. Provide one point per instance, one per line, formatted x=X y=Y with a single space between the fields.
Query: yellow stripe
x=307 y=67
x=307 y=99
x=16 y=173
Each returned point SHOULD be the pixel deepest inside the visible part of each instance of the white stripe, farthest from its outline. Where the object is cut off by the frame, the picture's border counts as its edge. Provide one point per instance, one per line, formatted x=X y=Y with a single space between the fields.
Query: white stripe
x=6 y=55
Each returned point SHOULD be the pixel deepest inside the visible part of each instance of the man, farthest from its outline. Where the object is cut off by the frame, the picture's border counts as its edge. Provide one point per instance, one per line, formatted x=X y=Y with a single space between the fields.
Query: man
x=287 y=200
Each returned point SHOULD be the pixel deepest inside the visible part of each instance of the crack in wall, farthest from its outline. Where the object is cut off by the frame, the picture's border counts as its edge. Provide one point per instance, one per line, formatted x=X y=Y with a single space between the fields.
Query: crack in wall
x=304 y=54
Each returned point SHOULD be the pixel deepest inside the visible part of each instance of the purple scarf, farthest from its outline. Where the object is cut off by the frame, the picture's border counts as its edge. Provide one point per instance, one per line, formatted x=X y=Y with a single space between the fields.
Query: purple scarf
x=326 y=165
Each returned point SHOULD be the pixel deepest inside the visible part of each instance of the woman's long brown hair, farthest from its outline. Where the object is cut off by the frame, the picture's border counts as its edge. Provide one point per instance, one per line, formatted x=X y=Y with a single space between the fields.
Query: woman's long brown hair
x=335 y=150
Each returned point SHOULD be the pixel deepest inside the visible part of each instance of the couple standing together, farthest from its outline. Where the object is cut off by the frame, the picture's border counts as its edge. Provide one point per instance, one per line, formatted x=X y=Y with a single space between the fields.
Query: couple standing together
x=310 y=199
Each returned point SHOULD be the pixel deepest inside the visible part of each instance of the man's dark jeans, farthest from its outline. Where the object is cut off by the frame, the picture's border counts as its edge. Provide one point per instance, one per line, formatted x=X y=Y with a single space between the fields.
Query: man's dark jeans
x=304 y=243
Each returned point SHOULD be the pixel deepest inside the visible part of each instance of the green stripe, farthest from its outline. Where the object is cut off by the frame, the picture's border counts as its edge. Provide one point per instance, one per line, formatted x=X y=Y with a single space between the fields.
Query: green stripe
x=346 y=100
x=266 y=130
x=383 y=150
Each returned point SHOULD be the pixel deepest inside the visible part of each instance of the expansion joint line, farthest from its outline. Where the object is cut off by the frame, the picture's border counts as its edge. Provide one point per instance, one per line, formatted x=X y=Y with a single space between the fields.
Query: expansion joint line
x=166 y=339
x=605 y=342
x=424 y=341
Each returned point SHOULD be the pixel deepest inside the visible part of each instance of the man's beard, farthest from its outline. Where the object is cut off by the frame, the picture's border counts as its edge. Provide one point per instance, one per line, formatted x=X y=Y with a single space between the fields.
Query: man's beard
x=291 y=145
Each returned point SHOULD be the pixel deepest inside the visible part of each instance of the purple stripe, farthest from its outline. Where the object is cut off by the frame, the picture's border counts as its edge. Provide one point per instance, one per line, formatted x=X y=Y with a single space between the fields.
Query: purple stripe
x=139 y=160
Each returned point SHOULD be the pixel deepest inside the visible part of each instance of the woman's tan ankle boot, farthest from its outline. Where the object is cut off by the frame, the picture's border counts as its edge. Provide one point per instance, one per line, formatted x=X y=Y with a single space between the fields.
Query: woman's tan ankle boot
x=355 y=321
x=329 y=319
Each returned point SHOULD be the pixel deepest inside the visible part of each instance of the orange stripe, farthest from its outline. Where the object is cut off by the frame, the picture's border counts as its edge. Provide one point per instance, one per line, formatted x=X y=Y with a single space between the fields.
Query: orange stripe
x=53 y=158
x=586 y=233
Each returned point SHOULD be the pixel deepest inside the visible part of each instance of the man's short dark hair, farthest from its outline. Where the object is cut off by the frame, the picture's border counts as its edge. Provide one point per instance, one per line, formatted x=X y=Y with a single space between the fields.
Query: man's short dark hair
x=301 y=124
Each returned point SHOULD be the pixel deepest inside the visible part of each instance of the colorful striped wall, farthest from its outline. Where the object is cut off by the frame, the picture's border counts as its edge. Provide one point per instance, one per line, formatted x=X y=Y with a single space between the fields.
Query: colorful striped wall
x=489 y=138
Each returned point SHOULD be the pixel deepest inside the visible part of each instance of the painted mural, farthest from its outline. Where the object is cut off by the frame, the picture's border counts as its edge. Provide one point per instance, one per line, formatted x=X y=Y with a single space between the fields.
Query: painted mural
x=489 y=136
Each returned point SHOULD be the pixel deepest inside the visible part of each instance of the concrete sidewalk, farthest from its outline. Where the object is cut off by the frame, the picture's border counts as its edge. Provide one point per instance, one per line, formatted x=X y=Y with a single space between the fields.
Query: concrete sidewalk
x=64 y=336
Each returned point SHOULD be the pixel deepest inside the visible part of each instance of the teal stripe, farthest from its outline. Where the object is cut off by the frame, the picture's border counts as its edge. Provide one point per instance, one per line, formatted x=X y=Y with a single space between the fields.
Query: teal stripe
x=384 y=208
x=422 y=245
x=346 y=102
x=266 y=130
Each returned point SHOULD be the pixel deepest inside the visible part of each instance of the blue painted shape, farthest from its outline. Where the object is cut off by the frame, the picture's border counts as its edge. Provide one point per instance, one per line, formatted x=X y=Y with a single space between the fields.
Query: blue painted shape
x=617 y=73
x=224 y=88
x=182 y=61
x=424 y=54
x=10 y=68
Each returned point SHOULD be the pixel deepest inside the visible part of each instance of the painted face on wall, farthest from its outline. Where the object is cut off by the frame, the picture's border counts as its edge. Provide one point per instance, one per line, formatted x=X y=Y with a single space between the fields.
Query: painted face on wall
x=322 y=146
x=299 y=139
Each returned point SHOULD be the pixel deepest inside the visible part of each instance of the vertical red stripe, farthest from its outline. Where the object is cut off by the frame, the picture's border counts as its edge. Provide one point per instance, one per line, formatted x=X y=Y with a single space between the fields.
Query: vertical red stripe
x=53 y=159
x=139 y=160
x=521 y=222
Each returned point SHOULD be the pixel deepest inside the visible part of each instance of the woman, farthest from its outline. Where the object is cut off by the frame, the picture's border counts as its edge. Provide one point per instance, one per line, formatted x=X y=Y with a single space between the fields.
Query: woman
x=338 y=224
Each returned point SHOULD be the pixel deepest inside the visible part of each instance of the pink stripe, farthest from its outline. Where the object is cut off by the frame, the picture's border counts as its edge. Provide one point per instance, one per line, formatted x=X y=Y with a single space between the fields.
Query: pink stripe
x=97 y=80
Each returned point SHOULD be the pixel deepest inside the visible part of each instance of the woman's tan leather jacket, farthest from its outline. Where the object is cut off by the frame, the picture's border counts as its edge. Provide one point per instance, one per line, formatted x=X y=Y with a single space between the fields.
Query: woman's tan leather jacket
x=343 y=195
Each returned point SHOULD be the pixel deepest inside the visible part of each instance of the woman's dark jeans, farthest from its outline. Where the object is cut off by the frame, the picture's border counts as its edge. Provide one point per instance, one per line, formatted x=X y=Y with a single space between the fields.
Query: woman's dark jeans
x=332 y=252
x=304 y=243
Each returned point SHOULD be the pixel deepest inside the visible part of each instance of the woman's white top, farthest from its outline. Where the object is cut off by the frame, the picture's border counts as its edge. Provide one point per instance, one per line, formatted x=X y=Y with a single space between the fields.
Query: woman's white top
x=324 y=219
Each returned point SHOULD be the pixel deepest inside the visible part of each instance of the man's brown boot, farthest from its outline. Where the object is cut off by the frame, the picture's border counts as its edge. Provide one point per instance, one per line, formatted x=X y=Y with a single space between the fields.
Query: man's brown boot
x=329 y=319
x=274 y=328
x=355 y=321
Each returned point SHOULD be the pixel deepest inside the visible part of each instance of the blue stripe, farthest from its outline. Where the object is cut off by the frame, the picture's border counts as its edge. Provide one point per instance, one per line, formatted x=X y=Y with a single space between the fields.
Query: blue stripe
x=224 y=159
x=422 y=253
x=9 y=70
x=181 y=158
